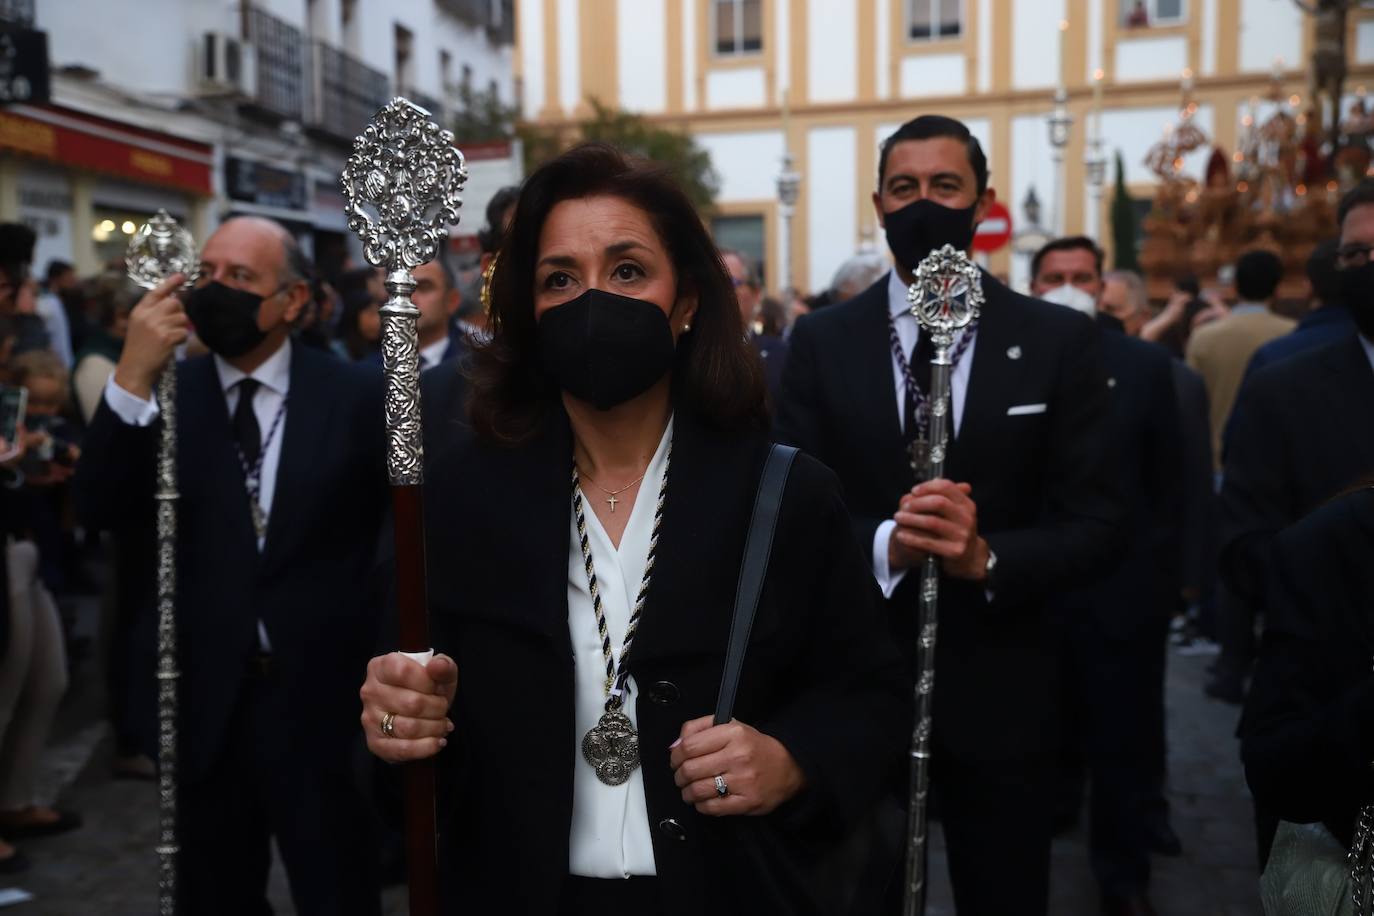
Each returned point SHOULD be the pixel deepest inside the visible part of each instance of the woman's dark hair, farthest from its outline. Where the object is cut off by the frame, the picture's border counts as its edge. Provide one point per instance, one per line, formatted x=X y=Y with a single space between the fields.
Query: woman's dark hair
x=717 y=376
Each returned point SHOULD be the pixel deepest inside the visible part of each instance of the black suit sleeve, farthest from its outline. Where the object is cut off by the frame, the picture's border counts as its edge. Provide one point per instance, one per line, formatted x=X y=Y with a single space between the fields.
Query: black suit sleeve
x=116 y=472
x=1164 y=475
x=1307 y=738
x=1255 y=499
x=1079 y=531
x=849 y=716
x=799 y=420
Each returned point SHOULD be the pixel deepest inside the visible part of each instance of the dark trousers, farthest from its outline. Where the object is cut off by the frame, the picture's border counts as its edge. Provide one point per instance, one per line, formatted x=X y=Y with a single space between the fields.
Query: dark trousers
x=997 y=824
x=1235 y=632
x=260 y=789
x=997 y=819
x=1113 y=705
x=605 y=896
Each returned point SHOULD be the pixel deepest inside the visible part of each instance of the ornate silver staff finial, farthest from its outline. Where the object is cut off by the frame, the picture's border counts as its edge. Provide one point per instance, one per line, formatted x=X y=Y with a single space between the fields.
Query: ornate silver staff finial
x=159 y=249
x=947 y=295
x=402 y=185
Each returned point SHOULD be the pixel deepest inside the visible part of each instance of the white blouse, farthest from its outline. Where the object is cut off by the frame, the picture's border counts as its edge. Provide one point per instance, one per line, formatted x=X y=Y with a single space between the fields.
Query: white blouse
x=610 y=824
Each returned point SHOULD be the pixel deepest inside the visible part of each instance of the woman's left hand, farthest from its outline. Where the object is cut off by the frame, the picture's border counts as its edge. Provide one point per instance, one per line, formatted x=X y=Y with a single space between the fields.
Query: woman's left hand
x=759 y=772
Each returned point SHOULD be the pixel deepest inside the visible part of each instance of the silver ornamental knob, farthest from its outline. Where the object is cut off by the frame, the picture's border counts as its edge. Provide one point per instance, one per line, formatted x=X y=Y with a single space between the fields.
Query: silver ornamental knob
x=947 y=294
x=402 y=185
x=160 y=248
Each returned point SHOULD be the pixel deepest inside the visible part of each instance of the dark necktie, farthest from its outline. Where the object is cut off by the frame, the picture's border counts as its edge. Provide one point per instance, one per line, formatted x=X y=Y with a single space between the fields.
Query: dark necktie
x=247 y=433
x=919 y=364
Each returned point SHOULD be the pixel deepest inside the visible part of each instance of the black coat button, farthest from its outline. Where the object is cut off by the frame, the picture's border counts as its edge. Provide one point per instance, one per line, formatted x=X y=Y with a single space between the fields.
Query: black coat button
x=672 y=829
x=664 y=693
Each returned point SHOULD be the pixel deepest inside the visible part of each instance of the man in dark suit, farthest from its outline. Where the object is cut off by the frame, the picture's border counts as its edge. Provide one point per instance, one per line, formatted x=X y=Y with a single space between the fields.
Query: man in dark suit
x=1025 y=511
x=749 y=292
x=1327 y=322
x=1303 y=428
x=1115 y=627
x=282 y=475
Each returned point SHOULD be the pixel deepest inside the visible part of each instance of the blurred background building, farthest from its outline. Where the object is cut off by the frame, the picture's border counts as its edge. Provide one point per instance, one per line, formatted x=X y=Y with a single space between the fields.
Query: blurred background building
x=210 y=108
x=823 y=81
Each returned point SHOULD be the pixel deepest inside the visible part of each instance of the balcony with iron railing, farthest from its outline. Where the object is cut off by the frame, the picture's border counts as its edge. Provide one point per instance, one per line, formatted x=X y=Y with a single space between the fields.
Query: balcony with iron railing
x=345 y=92
x=280 y=52
x=17 y=12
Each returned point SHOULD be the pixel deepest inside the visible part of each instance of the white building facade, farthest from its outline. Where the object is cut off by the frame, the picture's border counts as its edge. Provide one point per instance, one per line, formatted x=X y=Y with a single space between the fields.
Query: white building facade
x=211 y=108
x=826 y=80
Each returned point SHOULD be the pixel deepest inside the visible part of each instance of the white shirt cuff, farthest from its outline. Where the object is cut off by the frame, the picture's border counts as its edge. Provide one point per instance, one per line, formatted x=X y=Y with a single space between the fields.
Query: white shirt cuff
x=887 y=581
x=132 y=409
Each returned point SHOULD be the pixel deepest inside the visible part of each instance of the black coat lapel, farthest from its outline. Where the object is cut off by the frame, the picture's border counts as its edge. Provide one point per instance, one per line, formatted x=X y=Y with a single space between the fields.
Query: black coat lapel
x=712 y=479
x=991 y=376
x=873 y=390
x=207 y=455
x=1355 y=381
x=309 y=409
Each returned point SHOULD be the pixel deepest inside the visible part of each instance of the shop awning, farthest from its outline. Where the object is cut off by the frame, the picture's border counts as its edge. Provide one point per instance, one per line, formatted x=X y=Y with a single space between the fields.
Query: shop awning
x=83 y=141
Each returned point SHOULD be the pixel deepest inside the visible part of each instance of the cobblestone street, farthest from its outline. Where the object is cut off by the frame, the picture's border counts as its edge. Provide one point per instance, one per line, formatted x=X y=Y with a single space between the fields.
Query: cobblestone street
x=109 y=868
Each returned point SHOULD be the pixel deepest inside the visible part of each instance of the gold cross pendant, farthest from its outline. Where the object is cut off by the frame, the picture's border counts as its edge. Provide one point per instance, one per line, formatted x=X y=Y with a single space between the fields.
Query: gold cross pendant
x=612 y=500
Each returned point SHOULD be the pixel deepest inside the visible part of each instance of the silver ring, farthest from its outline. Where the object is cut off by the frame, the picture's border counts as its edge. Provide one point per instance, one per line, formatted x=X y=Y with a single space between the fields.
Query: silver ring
x=722 y=789
x=389 y=725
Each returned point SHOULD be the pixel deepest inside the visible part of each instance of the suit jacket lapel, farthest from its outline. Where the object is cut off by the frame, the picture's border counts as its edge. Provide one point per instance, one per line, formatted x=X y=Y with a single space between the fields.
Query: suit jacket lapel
x=309 y=410
x=1355 y=381
x=873 y=392
x=991 y=376
x=207 y=446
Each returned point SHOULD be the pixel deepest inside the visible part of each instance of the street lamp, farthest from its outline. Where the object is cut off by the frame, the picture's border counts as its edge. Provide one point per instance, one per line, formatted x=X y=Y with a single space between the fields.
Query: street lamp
x=1060 y=121
x=789 y=186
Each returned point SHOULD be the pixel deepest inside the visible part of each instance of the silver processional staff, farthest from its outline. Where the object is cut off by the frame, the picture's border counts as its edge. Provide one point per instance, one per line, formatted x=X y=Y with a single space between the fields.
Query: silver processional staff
x=402 y=185
x=159 y=249
x=946 y=297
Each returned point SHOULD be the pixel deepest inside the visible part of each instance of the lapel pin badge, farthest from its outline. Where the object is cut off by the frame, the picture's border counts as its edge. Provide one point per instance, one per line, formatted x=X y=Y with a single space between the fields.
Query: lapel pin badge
x=1013 y=353
x=1111 y=382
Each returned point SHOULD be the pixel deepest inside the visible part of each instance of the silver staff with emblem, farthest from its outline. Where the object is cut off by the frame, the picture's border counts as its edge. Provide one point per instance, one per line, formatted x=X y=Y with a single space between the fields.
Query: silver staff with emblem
x=158 y=250
x=946 y=297
x=402 y=185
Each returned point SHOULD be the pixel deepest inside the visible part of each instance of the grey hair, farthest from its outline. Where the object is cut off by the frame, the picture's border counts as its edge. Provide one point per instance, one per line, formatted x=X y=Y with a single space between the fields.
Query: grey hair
x=1136 y=294
x=857 y=274
x=751 y=268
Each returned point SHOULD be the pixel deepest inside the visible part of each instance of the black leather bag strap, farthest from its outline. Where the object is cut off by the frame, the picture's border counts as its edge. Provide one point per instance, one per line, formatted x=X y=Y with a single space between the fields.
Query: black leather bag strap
x=758 y=544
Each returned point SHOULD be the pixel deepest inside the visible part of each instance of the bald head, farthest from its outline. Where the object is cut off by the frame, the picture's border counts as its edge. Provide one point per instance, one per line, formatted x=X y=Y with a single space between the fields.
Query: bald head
x=259 y=256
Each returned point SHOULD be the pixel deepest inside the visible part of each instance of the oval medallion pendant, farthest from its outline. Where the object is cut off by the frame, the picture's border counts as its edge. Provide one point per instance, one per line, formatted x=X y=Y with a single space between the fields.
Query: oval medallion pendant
x=612 y=747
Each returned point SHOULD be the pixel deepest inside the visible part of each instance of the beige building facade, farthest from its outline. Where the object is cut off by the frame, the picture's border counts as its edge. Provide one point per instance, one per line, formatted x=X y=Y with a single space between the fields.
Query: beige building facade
x=826 y=80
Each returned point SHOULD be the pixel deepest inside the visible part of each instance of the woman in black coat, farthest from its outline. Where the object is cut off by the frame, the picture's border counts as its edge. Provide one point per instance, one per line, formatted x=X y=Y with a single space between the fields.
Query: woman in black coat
x=1308 y=731
x=619 y=425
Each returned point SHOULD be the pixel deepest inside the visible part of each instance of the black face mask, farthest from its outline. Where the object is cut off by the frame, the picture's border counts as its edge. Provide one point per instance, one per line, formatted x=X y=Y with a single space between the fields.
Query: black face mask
x=919 y=228
x=605 y=349
x=226 y=319
x=1357 y=287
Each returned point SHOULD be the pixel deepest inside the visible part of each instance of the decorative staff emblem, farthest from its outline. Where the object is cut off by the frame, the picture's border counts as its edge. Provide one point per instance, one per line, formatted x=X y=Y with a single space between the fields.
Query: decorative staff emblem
x=159 y=249
x=947 y=294
x=402 y=185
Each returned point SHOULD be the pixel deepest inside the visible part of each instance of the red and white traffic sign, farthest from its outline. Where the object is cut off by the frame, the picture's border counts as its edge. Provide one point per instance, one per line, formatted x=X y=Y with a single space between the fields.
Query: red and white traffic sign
x=995 y=229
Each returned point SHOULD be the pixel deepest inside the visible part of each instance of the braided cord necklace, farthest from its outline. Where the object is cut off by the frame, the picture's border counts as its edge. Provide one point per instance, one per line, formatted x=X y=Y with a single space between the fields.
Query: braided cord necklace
x=612 y=745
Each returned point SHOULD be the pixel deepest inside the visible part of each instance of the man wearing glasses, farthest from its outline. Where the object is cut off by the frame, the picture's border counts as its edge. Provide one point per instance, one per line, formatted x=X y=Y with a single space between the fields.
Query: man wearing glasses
x=282 y=489
x=1303 y=428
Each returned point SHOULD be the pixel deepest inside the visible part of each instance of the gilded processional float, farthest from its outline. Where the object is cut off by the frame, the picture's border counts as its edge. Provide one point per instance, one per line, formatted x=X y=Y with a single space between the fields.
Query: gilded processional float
x=1278 y=190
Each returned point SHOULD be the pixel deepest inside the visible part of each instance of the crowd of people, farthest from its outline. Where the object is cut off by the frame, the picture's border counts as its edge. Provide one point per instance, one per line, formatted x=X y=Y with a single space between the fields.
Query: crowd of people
x=601 y=394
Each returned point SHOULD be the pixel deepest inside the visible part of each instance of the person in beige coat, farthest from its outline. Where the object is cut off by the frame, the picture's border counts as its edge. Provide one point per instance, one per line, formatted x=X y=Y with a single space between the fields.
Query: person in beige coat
x=1220 y=350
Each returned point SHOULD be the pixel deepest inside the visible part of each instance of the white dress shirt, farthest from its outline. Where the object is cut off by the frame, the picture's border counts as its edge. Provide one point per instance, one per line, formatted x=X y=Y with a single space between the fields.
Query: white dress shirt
x=433 y=355
x=908 y=332
x=610 y=824
x=274 y=378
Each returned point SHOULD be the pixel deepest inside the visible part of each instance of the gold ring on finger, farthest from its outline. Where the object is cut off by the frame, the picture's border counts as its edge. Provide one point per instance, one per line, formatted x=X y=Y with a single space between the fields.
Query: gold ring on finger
x=389 y=725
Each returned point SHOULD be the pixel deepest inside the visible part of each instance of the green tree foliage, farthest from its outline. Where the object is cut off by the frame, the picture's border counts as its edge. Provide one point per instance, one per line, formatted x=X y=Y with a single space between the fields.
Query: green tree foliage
x=482 y=116
x=1123 y=223
x=633 y=134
